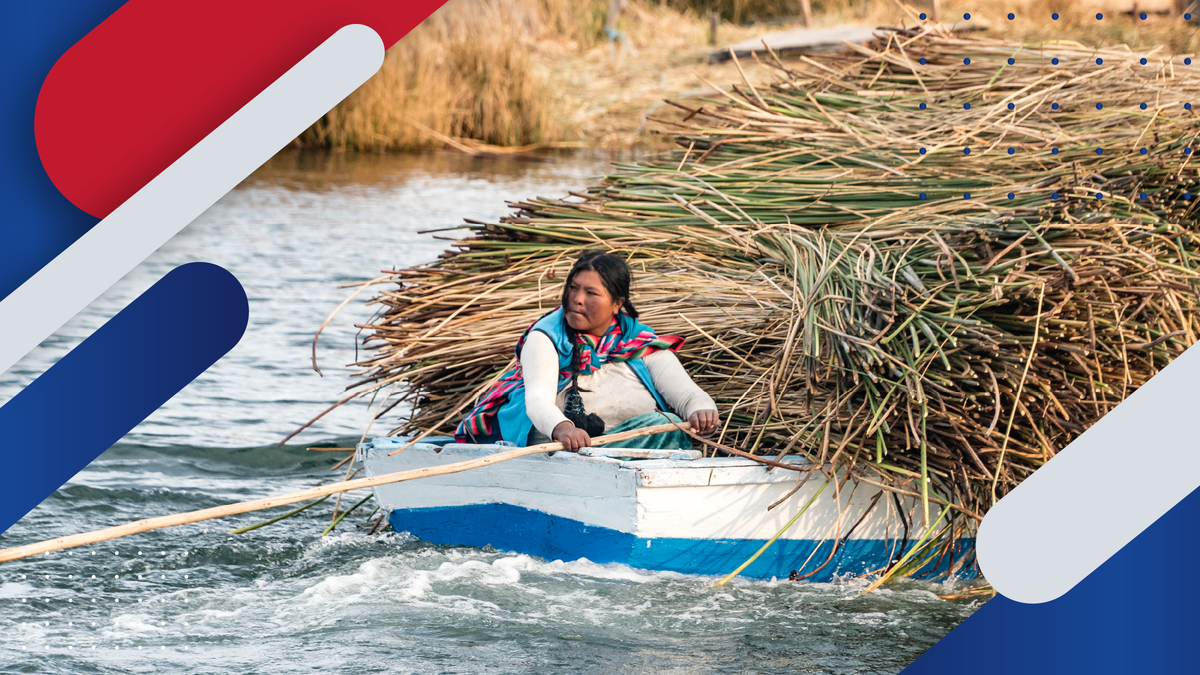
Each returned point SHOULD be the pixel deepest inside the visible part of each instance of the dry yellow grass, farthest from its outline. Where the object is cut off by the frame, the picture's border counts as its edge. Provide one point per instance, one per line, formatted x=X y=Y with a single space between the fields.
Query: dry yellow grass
x=540 y=72
x=464 y=72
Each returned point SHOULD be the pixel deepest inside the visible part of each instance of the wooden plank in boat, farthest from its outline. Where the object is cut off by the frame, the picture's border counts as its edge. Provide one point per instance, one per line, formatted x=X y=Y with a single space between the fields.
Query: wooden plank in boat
x=637 y=453
x=816 y=40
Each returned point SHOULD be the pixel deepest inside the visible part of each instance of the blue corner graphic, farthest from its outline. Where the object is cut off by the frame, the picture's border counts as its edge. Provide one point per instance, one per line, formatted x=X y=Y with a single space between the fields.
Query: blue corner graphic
x=1132 y=615
x=114 y=379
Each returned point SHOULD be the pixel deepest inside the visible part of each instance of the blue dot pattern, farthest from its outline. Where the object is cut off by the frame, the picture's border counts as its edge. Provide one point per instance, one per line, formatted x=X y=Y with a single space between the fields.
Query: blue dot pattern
x=1055 y=106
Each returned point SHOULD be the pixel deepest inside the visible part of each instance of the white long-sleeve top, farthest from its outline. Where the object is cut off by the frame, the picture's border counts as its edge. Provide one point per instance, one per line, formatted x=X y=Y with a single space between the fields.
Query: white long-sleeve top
x=614 y=392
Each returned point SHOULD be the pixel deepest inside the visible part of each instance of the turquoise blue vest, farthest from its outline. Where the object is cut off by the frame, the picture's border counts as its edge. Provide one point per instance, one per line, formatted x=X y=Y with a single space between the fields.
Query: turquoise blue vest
x=515 y=424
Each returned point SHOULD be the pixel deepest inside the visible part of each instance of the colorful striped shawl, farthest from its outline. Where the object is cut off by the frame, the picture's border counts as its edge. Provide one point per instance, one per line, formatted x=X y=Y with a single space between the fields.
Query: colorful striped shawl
x=612 y=347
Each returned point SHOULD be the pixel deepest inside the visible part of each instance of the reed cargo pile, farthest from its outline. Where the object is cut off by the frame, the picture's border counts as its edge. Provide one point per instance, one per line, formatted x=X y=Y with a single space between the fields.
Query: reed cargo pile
x=853 y=285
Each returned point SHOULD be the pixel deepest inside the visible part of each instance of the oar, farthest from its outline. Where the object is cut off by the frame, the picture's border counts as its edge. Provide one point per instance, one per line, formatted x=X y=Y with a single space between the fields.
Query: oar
x=19 y=552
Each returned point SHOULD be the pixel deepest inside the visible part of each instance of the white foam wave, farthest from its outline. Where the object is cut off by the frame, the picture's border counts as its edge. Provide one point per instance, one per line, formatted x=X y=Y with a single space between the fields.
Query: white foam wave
x=16 y=589
x=138 y=624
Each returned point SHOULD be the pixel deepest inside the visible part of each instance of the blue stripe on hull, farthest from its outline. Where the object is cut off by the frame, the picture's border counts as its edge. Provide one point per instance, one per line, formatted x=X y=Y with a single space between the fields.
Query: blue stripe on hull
x=521 y=530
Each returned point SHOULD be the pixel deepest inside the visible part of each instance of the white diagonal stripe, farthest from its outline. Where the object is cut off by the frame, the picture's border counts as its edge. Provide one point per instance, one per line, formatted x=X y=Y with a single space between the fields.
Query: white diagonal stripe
x=1100 y=492
x=186 y=189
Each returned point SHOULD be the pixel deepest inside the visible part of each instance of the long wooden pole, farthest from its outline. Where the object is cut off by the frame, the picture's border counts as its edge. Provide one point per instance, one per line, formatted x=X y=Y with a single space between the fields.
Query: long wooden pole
x=19 y=552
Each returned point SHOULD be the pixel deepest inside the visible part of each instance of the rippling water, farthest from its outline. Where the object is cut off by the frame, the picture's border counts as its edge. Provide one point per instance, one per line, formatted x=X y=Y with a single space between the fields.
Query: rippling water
x=283 y=599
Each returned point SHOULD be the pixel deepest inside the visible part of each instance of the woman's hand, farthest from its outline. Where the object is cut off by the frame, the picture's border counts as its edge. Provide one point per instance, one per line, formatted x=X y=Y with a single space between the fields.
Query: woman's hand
x=704 y=422
x=572 y=437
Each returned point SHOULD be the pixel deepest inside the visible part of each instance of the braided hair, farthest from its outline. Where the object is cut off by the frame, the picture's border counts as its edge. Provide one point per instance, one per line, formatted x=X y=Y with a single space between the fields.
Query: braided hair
x=615 y=276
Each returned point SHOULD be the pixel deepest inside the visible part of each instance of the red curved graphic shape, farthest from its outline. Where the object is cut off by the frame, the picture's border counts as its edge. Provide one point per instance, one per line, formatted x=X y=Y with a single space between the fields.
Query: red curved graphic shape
x=156 y=77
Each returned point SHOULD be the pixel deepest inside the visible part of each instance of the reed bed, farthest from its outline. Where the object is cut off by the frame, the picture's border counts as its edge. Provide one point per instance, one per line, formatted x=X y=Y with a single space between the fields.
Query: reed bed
x=937 y=324
x=465 y=72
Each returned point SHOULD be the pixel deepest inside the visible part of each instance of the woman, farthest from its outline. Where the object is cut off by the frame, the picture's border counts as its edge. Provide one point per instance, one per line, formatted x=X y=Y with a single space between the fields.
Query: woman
x=589 y=368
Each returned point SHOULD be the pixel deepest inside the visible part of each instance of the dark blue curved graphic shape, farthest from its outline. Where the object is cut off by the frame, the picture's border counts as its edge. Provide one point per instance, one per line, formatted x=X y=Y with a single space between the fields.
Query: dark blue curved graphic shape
x=38 y=222
x=114 y=379
x=1134 y=614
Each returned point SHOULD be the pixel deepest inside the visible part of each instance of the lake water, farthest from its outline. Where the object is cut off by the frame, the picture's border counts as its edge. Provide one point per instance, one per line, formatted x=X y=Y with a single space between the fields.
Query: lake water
x=283 y=599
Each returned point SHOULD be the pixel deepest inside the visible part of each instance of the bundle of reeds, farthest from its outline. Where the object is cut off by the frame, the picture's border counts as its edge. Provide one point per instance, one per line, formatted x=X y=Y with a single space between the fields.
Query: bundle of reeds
x=941 y=323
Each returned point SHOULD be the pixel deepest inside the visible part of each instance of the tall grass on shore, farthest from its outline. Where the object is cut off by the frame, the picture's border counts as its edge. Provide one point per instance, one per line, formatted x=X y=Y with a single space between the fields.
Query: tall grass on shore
x=853 y=285
x=465 y=72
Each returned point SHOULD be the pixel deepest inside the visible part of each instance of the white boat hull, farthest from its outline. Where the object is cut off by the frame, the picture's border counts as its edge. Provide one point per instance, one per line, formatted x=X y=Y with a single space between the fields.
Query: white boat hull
x=695 y=516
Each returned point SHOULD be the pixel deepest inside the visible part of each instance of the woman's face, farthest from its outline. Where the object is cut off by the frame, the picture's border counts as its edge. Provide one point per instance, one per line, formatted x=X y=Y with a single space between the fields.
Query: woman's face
x=589 y=307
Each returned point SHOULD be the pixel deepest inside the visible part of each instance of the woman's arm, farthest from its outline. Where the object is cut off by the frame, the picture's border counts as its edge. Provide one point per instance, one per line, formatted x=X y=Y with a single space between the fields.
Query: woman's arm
x=677 y=389
x=539 y=369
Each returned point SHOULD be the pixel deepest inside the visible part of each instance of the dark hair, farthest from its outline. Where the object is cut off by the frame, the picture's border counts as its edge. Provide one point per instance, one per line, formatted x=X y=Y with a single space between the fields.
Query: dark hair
x=615 y=276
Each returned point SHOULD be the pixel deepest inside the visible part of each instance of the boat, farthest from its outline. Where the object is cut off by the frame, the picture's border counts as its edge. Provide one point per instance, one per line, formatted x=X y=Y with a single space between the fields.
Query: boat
x=671 y=510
